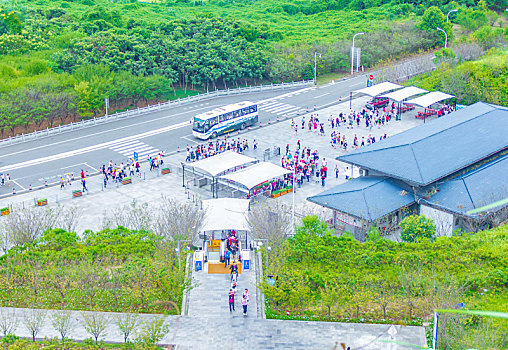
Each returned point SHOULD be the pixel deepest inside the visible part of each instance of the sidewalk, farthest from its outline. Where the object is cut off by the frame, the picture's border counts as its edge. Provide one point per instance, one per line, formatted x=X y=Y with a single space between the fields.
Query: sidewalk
x=187 y=332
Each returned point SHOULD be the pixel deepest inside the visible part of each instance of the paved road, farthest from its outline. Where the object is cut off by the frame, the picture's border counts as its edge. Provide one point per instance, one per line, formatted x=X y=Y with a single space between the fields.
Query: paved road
x=44 y=159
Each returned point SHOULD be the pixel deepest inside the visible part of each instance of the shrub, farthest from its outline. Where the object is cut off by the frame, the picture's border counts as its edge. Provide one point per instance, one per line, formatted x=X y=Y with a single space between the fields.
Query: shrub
x=417 y=227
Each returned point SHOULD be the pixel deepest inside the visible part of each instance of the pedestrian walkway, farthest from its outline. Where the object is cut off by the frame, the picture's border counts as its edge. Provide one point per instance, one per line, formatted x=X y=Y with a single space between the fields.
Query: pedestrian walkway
x=209 y=296
x=196 y=333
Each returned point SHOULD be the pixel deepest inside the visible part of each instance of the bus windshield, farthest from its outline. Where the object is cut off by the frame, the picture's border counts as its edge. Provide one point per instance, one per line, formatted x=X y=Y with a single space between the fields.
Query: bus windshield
x=198 y=125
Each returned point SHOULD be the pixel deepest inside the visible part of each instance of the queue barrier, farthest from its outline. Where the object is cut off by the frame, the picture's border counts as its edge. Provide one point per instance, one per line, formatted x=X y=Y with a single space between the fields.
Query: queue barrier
x=77 y=193
x=165 y=171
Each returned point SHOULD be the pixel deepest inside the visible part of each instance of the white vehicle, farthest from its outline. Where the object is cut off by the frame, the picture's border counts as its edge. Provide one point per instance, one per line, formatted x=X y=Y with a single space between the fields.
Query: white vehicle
x=225 y=119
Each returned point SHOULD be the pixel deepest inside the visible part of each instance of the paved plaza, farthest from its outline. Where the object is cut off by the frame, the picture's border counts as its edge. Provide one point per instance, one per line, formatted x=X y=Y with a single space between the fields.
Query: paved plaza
x=100 y=201
x=208 y=324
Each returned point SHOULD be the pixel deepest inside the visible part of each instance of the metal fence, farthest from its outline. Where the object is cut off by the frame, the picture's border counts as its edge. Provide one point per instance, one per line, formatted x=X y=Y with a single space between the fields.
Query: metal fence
x=144 y=110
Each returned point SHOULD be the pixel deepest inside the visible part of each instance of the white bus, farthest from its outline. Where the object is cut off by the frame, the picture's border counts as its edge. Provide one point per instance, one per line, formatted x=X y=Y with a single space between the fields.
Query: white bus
x=225 y=119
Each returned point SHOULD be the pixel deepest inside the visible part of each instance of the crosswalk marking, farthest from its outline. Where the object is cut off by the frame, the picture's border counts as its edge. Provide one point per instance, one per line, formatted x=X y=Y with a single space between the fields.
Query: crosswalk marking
x=128 y=148
x=280 y=108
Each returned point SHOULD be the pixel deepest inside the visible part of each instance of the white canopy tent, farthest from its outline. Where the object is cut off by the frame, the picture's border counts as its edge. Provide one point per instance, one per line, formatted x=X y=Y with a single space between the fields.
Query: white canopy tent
x=378 y=89
x=209 y=168
x=256 y=174
x=429 y=99
x=221 y=162
x=225 y=214
x=402 y=94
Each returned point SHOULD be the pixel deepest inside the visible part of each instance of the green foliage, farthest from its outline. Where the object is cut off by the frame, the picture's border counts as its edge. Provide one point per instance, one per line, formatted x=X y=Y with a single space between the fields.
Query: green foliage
x=9 y=339
x=415 y=228
x=324 y=277
x=144 y=53
x=471 y=81
x=373 y=234
x=110 y=270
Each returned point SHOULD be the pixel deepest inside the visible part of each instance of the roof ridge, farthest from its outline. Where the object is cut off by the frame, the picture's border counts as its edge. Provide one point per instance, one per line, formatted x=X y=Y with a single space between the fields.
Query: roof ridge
x=352 y=190
x=366 y=205
x=371 y=151
x=468 y=193
x=416 y=162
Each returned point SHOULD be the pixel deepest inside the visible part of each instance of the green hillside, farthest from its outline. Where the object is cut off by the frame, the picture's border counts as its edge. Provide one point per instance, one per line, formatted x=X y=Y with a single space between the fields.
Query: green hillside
x=59 y=60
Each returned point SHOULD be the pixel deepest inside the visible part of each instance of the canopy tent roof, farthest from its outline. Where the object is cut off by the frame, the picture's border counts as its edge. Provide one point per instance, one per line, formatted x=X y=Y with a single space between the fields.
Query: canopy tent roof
x=430 y=98
x=256 y=174
x=402 y=94
x=225 y=214
x=221 y=162
x=378 y=89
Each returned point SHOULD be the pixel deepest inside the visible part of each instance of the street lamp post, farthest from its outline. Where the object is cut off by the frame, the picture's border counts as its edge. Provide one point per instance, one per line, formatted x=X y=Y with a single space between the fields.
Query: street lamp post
x=260 y=243
x=178 y=250
x=315 y=66
x=446 y=37
x=448 y=15
x=353 y=51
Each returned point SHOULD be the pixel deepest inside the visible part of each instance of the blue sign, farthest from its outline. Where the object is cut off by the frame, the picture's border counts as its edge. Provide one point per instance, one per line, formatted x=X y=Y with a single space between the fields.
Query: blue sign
x=199 y=265
x=246 y=264
x=435 y=331
x=136 y=156
x=369 y=83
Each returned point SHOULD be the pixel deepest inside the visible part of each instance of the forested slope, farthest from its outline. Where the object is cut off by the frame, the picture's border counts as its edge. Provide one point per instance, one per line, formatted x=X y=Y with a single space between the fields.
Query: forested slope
x=60 y=59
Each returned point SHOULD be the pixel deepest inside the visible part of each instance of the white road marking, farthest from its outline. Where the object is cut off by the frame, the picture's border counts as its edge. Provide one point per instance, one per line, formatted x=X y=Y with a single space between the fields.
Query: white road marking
x=91 y=148
x=286 y=95
x=71 y=166
x=18 y=184
x=318 y=96
x=88 y=165
x=288 y=110
x=187 y=138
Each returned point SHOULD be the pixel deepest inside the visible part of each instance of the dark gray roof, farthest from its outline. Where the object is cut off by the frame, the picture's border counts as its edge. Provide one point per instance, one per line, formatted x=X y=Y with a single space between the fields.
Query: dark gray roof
x=366 y=197
x=484 y=185
x=438 y=148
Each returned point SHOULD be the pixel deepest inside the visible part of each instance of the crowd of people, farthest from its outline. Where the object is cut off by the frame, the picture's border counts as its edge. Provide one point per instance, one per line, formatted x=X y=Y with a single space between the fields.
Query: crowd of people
x=305 y=164
x=232 y=249
x=219 y=146
x=116 y=172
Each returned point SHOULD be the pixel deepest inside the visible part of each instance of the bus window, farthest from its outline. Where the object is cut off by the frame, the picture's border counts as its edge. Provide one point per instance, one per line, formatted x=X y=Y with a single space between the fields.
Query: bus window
x=222 y=117
x=213 y=121
x=229 y=115
x=207 y=125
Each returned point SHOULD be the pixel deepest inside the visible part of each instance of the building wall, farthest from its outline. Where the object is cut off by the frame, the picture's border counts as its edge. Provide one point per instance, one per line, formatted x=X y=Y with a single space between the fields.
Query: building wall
x=444 y=221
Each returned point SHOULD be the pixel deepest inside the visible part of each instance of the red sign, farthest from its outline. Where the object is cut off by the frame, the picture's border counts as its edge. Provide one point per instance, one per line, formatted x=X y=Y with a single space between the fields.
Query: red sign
x=371 y=77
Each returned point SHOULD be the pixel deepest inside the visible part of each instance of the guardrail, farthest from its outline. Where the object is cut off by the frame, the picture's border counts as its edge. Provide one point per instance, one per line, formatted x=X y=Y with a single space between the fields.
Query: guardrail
x=150 y=108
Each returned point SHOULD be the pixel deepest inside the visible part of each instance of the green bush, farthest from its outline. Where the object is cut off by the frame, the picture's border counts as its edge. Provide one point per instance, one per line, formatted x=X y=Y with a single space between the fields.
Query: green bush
x=415 y=228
